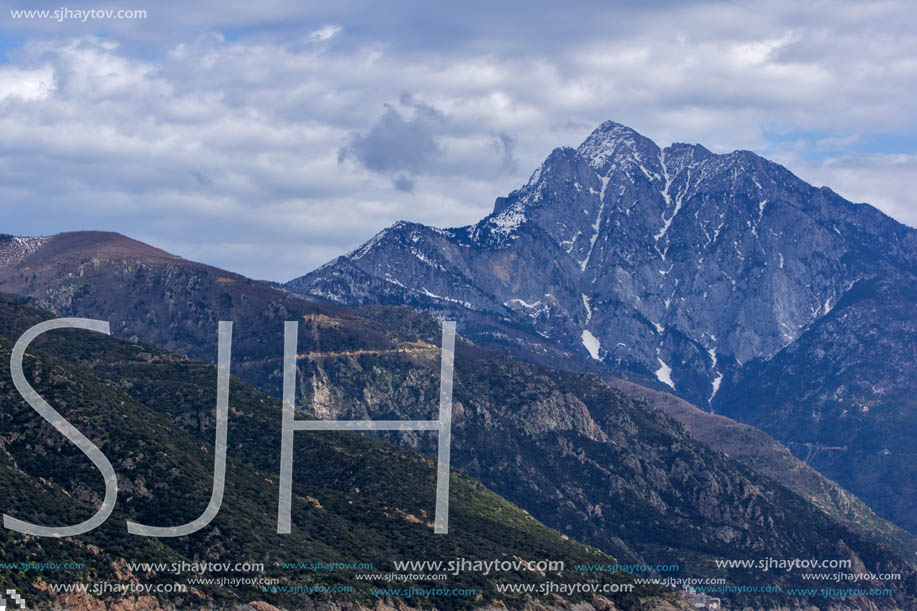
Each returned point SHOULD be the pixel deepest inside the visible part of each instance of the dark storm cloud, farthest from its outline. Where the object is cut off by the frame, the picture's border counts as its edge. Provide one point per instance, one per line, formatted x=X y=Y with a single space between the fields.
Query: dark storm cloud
x=398 y=142
x=506 y=146
x=403 y=184
x=201 y=178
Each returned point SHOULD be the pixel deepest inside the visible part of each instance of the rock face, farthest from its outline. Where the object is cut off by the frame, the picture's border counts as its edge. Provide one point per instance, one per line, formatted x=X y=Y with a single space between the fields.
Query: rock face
x=590 y=461
x=676 y=267
x=842 y=395
x=14 y=249
x=756 y=449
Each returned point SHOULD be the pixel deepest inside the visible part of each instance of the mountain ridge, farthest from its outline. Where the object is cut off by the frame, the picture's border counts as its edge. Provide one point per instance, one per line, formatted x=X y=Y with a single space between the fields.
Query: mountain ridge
x=355 y=499
x=662 y=475
x=671 y=267
x=525 y=207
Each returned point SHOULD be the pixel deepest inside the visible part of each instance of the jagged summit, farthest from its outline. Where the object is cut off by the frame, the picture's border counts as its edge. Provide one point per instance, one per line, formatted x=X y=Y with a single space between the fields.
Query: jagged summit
x=660 y=181
x=682 y=268
x=611 y=133
x=676 y=266
x=612 y=142
x=700 y=257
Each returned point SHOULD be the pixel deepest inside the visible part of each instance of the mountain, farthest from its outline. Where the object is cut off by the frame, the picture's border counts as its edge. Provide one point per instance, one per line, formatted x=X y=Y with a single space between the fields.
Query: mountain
x=355 y=500
x=596 y=464
x=756 y=449
x=600 y=466
x=853 y=372
x=676 y=268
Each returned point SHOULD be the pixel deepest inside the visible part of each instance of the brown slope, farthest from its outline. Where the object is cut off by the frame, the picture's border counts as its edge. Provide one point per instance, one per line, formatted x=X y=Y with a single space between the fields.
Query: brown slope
x=65 y=249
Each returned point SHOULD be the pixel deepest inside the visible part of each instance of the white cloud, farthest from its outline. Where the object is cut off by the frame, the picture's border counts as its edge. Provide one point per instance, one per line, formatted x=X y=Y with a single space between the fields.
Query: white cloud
x=325 y=33
x=28 y=85
x=214 y=138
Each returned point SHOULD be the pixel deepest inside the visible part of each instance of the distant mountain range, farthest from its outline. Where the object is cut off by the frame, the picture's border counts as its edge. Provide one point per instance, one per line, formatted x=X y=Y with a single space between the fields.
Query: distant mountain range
x=723 y=279
x=590 y=461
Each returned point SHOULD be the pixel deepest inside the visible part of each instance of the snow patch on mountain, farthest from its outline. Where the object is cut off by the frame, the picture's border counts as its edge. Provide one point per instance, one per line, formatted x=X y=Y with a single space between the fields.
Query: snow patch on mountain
x=597 y=224
x=664 y=373
x=592 y=344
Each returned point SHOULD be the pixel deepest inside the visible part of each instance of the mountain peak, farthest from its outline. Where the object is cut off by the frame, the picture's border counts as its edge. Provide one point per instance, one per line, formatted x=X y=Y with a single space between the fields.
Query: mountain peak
x=75 y=244
x=612 y=141
x=614 y=128
x=679 y=268
x=697 y=151
x=619 y=208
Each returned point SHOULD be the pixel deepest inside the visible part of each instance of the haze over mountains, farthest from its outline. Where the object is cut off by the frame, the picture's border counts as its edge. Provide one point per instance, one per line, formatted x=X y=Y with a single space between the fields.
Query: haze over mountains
x=711 y=276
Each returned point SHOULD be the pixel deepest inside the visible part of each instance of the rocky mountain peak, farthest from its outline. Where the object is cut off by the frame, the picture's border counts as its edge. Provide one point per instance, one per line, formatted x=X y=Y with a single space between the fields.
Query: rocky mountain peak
x=666 y=262
x=681 y=269
x=680 y=155
x=616 y=170
x=611 y=142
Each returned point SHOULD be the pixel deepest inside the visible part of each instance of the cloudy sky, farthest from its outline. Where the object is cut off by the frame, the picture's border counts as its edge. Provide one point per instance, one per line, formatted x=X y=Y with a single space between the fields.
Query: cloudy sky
x=269 y=137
